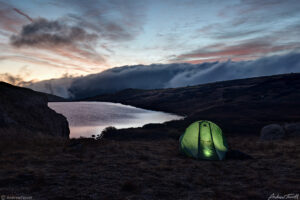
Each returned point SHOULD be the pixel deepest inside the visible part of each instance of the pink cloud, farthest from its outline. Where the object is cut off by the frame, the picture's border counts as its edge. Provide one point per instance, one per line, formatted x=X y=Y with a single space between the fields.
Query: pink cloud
x=10 y=20
x=244 y=51
x=23 y=14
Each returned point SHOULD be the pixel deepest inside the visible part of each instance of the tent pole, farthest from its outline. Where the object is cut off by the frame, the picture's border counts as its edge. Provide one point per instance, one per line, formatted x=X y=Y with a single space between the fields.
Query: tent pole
x=212 y=139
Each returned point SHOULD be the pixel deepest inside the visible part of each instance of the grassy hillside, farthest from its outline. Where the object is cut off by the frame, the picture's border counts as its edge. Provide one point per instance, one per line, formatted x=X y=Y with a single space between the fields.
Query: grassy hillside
x=55 y=168
x=26 y=111
x=145 y=163
x=238 y=106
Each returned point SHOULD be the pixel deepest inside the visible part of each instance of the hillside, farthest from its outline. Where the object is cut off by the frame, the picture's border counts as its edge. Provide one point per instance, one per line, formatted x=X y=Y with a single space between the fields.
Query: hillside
x=238 y=106
x=24 y=111
x=145 y=163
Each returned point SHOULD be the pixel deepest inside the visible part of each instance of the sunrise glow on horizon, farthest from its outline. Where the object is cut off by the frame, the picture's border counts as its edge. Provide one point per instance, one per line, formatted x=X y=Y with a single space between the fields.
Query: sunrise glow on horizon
x=50 y=39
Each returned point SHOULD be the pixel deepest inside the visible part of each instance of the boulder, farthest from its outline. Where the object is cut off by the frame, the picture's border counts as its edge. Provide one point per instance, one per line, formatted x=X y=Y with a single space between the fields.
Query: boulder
x=24 y=111
x=272 y=132
x=292 y=129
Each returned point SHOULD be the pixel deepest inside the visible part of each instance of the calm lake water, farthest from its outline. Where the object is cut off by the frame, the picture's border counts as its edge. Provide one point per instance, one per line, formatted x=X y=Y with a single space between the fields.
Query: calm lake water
x=90 y=118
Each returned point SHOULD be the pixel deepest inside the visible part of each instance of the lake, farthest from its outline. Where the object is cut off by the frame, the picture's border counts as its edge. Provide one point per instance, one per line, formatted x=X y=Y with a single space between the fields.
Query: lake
x=90 y=118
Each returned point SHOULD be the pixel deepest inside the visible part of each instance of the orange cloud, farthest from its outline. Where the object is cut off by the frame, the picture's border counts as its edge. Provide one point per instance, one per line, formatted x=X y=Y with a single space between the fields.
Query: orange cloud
x=244 y=51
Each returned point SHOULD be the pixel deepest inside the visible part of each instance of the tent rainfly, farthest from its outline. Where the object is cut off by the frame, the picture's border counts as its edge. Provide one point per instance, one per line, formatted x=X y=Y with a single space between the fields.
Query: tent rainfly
x=203 y=140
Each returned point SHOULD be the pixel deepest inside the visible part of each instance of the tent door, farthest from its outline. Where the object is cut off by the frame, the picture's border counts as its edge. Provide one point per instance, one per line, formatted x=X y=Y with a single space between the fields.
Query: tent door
x=206 y=145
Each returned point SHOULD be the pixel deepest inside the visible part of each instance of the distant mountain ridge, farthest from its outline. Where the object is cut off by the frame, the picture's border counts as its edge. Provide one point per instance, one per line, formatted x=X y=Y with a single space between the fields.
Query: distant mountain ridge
x=241 y=106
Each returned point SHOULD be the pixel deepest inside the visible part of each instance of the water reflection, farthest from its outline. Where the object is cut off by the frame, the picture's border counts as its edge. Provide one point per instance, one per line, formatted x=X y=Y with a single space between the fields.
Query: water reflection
x=90 y=118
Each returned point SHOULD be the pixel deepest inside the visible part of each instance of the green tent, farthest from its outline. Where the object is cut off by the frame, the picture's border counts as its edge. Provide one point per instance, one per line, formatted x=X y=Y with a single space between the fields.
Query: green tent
x=203 y=140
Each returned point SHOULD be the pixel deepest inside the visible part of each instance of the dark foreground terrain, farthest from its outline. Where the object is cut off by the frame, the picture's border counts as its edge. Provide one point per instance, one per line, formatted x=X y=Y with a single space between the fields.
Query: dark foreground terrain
x=145 y=163
x=53 y=168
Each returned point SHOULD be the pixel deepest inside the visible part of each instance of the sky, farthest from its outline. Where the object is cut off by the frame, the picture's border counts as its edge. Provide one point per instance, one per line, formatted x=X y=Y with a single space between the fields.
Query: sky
x=53 y=39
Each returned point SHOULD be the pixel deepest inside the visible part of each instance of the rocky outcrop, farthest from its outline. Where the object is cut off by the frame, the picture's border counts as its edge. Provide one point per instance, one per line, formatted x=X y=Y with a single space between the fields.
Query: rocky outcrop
x=272 y=132
x=276 y=131
x=26 y=111
x=292 y=129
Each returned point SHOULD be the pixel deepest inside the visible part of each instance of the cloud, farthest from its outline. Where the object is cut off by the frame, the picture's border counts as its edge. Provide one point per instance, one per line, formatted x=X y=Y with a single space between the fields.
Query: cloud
x=72 y=46
x=43 y=32
x=23 y=14
x=249 y=29
x=17 y=80
x=245 y=50
x=10 y=20
x=167 y=75
x=251 y=12
x=82 y=39
x=59 y=87
x=114 y=21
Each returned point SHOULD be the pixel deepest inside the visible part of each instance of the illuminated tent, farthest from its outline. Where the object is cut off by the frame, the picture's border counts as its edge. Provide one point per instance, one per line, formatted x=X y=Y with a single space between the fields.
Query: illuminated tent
x=203 y=140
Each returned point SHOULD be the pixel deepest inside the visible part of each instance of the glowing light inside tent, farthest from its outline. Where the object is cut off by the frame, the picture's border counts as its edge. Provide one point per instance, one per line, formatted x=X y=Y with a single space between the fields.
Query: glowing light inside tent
x=207 y=152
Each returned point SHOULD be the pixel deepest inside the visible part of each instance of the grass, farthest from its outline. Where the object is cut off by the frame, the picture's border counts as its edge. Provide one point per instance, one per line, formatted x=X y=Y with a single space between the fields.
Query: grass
x=52 y=168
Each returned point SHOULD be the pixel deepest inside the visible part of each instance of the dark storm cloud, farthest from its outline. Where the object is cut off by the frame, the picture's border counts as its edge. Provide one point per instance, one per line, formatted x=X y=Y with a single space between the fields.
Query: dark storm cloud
x=86 y=34
x=167 y=75
x=42 y=32
x=72 y=42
